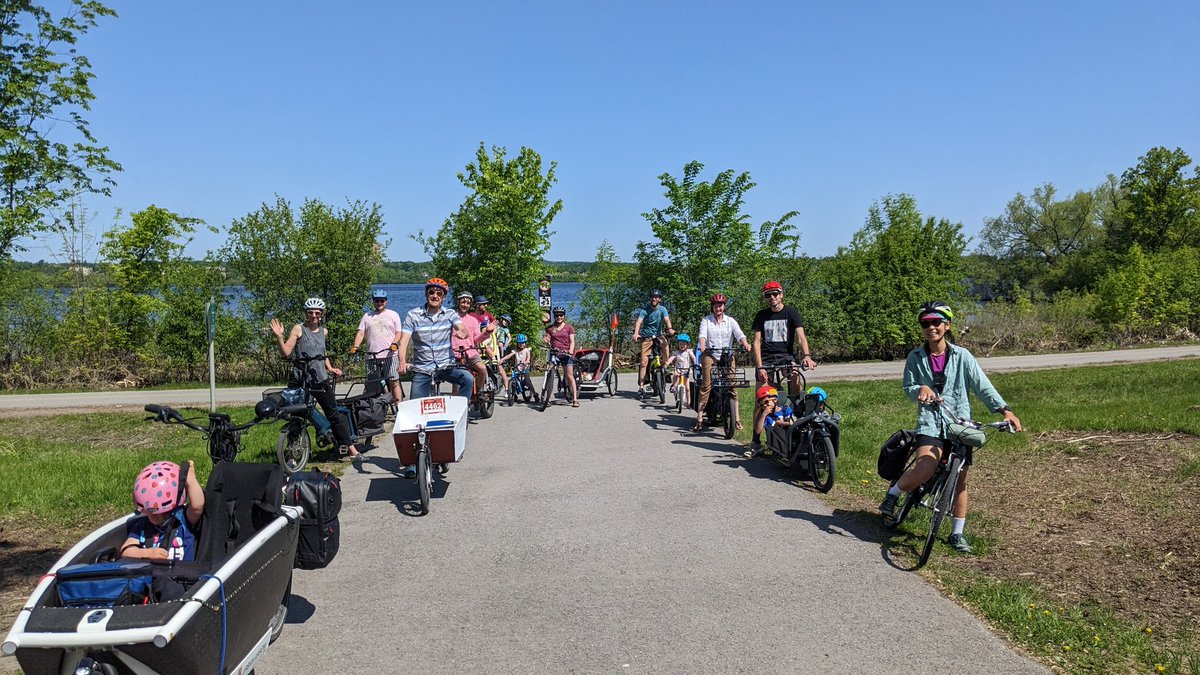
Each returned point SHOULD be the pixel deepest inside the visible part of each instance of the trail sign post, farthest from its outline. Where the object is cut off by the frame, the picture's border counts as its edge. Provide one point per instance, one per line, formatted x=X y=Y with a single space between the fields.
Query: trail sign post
x=544 y=300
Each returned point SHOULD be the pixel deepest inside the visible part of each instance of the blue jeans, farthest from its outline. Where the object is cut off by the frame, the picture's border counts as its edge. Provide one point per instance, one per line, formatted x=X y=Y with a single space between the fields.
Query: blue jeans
x=422 y=383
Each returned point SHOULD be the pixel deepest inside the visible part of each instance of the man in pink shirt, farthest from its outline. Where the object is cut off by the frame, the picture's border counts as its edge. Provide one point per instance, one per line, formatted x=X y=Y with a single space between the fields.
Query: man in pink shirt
x=466 y=350
x=382 y=330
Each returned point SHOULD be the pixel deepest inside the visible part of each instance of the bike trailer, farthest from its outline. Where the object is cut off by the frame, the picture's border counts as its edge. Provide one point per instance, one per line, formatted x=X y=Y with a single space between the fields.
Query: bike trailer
x=230 y=605
x=444 y=419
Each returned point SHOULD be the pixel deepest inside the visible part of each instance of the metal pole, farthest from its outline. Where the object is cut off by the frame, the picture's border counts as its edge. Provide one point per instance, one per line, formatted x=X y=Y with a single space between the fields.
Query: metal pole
x=210 y=321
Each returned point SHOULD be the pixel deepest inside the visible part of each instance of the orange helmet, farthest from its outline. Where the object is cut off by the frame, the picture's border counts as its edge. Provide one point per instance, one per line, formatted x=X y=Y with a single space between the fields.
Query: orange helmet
x=718 y=298
x=437 y=282
x=766 y=391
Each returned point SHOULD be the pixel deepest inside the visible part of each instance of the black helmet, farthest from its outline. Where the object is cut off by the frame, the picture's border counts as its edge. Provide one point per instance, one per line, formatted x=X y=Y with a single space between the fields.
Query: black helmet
x=656 y=293
x=481 y=300
x=266 y=409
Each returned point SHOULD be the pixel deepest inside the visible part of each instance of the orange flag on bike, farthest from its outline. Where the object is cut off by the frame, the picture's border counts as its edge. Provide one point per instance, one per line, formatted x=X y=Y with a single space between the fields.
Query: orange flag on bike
x=613 y=325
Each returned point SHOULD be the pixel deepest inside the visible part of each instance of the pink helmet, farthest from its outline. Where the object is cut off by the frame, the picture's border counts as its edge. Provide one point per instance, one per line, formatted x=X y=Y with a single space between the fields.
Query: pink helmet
x=157 y=488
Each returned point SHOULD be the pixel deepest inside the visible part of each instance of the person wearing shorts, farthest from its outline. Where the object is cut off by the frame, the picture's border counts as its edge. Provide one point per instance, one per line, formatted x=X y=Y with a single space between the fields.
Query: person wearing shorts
x=381 y=329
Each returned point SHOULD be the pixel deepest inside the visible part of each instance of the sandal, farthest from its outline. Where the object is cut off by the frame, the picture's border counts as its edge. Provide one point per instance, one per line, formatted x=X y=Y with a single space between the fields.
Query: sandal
x=574 y=404
x=698 y=429
x=738 y=425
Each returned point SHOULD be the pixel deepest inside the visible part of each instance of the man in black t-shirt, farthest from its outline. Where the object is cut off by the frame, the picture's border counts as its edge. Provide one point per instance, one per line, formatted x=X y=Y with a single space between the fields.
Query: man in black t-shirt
x=776 y=329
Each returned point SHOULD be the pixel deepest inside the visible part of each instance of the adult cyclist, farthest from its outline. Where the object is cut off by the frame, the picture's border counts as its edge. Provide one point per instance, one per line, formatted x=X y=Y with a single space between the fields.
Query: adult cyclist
x=652 y=322
x=718 y=332
x=429 y=328
x=935 y=370
x=381 y=329
x=777 y=329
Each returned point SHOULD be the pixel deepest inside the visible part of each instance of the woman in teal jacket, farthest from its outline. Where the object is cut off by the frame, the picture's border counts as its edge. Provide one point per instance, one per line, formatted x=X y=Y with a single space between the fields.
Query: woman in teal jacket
x=940 y=371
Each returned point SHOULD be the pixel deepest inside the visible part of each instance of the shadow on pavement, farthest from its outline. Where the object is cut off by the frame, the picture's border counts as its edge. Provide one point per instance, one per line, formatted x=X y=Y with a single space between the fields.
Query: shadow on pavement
x=897 y=548
x=299 y=609
x=726 y=448
x=402 y=492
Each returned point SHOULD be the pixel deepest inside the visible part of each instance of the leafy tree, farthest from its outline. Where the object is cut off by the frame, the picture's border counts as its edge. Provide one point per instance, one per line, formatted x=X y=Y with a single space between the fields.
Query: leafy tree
x=284 y=257
x=1151 y=292
x=142 y=260
x=47 y=152
x=704 y=243
x=606 y=292
x=494 y=243
x=897 y=261
x=1160 y=204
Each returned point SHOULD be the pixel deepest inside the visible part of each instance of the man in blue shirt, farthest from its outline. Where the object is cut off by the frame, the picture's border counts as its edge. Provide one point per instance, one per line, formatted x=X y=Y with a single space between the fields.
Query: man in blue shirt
x=651 y=324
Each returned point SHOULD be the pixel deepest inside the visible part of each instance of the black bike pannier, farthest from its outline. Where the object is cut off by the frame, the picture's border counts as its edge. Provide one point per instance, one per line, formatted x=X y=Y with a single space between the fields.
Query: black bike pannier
x=894 y=454
x=319 y=494
x=370 y=412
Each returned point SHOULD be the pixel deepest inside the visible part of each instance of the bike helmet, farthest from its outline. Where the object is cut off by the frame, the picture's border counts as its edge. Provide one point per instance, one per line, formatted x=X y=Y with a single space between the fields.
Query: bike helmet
x=379 y=294
x=818 y=392
x=936 y=309
x=766 y=391
x=772 y=286
x=157 y=488
x=464 y=294
x=521 y=339
x=683 y=337
x=266 y=409
x=506 y=317
x=437 y=282
x=560 y=310
x=481 y=300
x=718 y=299
x=314 y=303
x=656 y=294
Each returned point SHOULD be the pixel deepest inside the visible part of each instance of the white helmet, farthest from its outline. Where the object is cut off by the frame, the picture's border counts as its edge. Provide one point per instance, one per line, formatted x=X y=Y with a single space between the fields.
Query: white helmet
x=314 y=303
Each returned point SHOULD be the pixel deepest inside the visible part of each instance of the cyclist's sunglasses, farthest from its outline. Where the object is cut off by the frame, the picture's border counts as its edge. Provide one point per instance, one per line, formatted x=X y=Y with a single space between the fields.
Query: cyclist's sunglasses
x=771 y=294
x=926 y=323
x=379 y=299
x=435 y=291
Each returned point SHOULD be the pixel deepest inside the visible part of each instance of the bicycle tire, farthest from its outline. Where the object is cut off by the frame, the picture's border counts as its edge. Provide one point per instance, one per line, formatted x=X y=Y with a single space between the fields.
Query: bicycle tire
x=513 y=392
x=678 y=400
x=822 y=464
x=943 y=501
x=727 y=422
x=610 y=381
x=292 y=449
x=548 y=389
x=424 y=478
x=660 y=386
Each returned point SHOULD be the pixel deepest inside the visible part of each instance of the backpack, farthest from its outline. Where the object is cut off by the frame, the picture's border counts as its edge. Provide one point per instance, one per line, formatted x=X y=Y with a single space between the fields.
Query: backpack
x=370 y=414
x=106 y=584
x=319 y=495
x=894 y=454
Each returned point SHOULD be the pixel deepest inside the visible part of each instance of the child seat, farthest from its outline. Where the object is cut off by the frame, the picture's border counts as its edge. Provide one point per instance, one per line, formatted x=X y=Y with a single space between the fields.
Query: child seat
x=239 y=500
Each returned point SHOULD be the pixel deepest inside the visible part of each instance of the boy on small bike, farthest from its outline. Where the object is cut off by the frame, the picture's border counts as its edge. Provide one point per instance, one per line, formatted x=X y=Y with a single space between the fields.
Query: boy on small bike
x=522 y=356
x=935 y=369
x=683 y=359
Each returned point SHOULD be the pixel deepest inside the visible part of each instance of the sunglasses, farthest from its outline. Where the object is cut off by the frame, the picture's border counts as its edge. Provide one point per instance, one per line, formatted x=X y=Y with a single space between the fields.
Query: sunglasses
x=771 y=294
x=926 y=323
x=435 y=291
x=380 y=299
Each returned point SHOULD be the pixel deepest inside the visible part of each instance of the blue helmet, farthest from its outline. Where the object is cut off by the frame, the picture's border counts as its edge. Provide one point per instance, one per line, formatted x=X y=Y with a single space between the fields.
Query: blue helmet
x=684 y=337
x=481 y=300
x=818 y=392
x=521 y=339
x=379 y=294
x=656 y=293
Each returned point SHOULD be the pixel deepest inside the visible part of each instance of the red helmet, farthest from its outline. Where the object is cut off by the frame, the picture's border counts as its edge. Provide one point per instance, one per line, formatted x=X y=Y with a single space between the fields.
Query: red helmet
x=718 y=298
x=772 y=286
x=437 y=282
x=766 y=391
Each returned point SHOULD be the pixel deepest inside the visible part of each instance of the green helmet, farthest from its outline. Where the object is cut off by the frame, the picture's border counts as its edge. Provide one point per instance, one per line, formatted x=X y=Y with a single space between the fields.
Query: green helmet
x=936 y=308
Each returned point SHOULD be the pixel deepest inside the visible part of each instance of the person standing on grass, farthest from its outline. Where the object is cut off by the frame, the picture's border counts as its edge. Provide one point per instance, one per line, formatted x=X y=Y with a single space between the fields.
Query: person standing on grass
x=381 y=328
x=936 y=370
x=308 y=339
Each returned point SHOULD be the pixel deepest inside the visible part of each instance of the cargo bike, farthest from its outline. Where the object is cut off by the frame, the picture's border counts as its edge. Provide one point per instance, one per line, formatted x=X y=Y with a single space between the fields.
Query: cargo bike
x=808 y=446
x=430 y=431
x=719 y=411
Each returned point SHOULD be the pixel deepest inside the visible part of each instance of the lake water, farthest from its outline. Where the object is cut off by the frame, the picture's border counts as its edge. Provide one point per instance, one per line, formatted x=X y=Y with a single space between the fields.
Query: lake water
x=403 y=297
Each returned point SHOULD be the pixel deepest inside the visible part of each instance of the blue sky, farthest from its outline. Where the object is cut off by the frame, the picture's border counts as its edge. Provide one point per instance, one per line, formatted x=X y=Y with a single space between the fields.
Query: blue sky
x=213 y=108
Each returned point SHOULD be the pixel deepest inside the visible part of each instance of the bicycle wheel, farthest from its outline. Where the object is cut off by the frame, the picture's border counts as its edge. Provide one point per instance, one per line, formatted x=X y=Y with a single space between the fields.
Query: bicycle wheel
x=513 y=392
x=424 y=477
x=548 y=388
x=822 y=463
x=660 y=385
x=293 y=448
x=942 y=503
x=610 y=381
x=727 y=411
x=678 y=398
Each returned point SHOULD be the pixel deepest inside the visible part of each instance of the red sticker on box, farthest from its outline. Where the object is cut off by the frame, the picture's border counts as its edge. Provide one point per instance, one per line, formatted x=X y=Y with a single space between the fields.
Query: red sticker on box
x=433 y=406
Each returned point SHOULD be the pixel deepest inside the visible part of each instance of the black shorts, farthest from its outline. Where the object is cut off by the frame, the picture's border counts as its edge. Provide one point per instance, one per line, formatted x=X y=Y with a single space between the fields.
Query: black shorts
x=967 y=451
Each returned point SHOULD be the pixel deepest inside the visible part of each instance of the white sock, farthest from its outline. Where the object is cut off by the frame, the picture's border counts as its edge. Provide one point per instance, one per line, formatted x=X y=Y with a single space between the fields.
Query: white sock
x=894 y=490
x=958 y=525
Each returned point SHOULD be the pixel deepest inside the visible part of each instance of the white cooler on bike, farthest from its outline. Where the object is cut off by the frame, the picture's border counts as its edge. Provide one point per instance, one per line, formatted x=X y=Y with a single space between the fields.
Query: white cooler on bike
x=444 y=419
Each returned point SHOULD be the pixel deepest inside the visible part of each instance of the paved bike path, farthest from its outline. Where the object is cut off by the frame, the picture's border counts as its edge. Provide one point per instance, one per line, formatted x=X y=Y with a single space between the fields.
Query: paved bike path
x=881 y=370
x=602 y=539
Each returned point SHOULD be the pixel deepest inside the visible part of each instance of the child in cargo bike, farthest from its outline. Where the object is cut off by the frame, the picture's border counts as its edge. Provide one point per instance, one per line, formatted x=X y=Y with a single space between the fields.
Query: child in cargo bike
x=767 y=413
x=166 y=529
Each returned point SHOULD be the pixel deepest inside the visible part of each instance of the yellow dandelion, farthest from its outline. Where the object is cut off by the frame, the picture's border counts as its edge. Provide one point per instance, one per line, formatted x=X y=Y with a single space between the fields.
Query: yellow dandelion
x=866 y=482
x=1096 y=638
x=1046 y=612
x=1159 y=667
x=1066 y=648
x=1033 y=605
x=1148 y=631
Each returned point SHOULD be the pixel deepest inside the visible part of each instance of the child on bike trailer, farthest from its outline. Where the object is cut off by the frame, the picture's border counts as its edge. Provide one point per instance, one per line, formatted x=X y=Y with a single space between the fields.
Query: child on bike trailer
x=768 y=413
x=522 y=355
x=169 y=502
x=684 y=360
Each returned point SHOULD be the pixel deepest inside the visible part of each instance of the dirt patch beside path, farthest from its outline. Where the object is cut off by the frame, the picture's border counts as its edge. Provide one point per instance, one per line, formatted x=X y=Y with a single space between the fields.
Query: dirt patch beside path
x=1103 y=517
